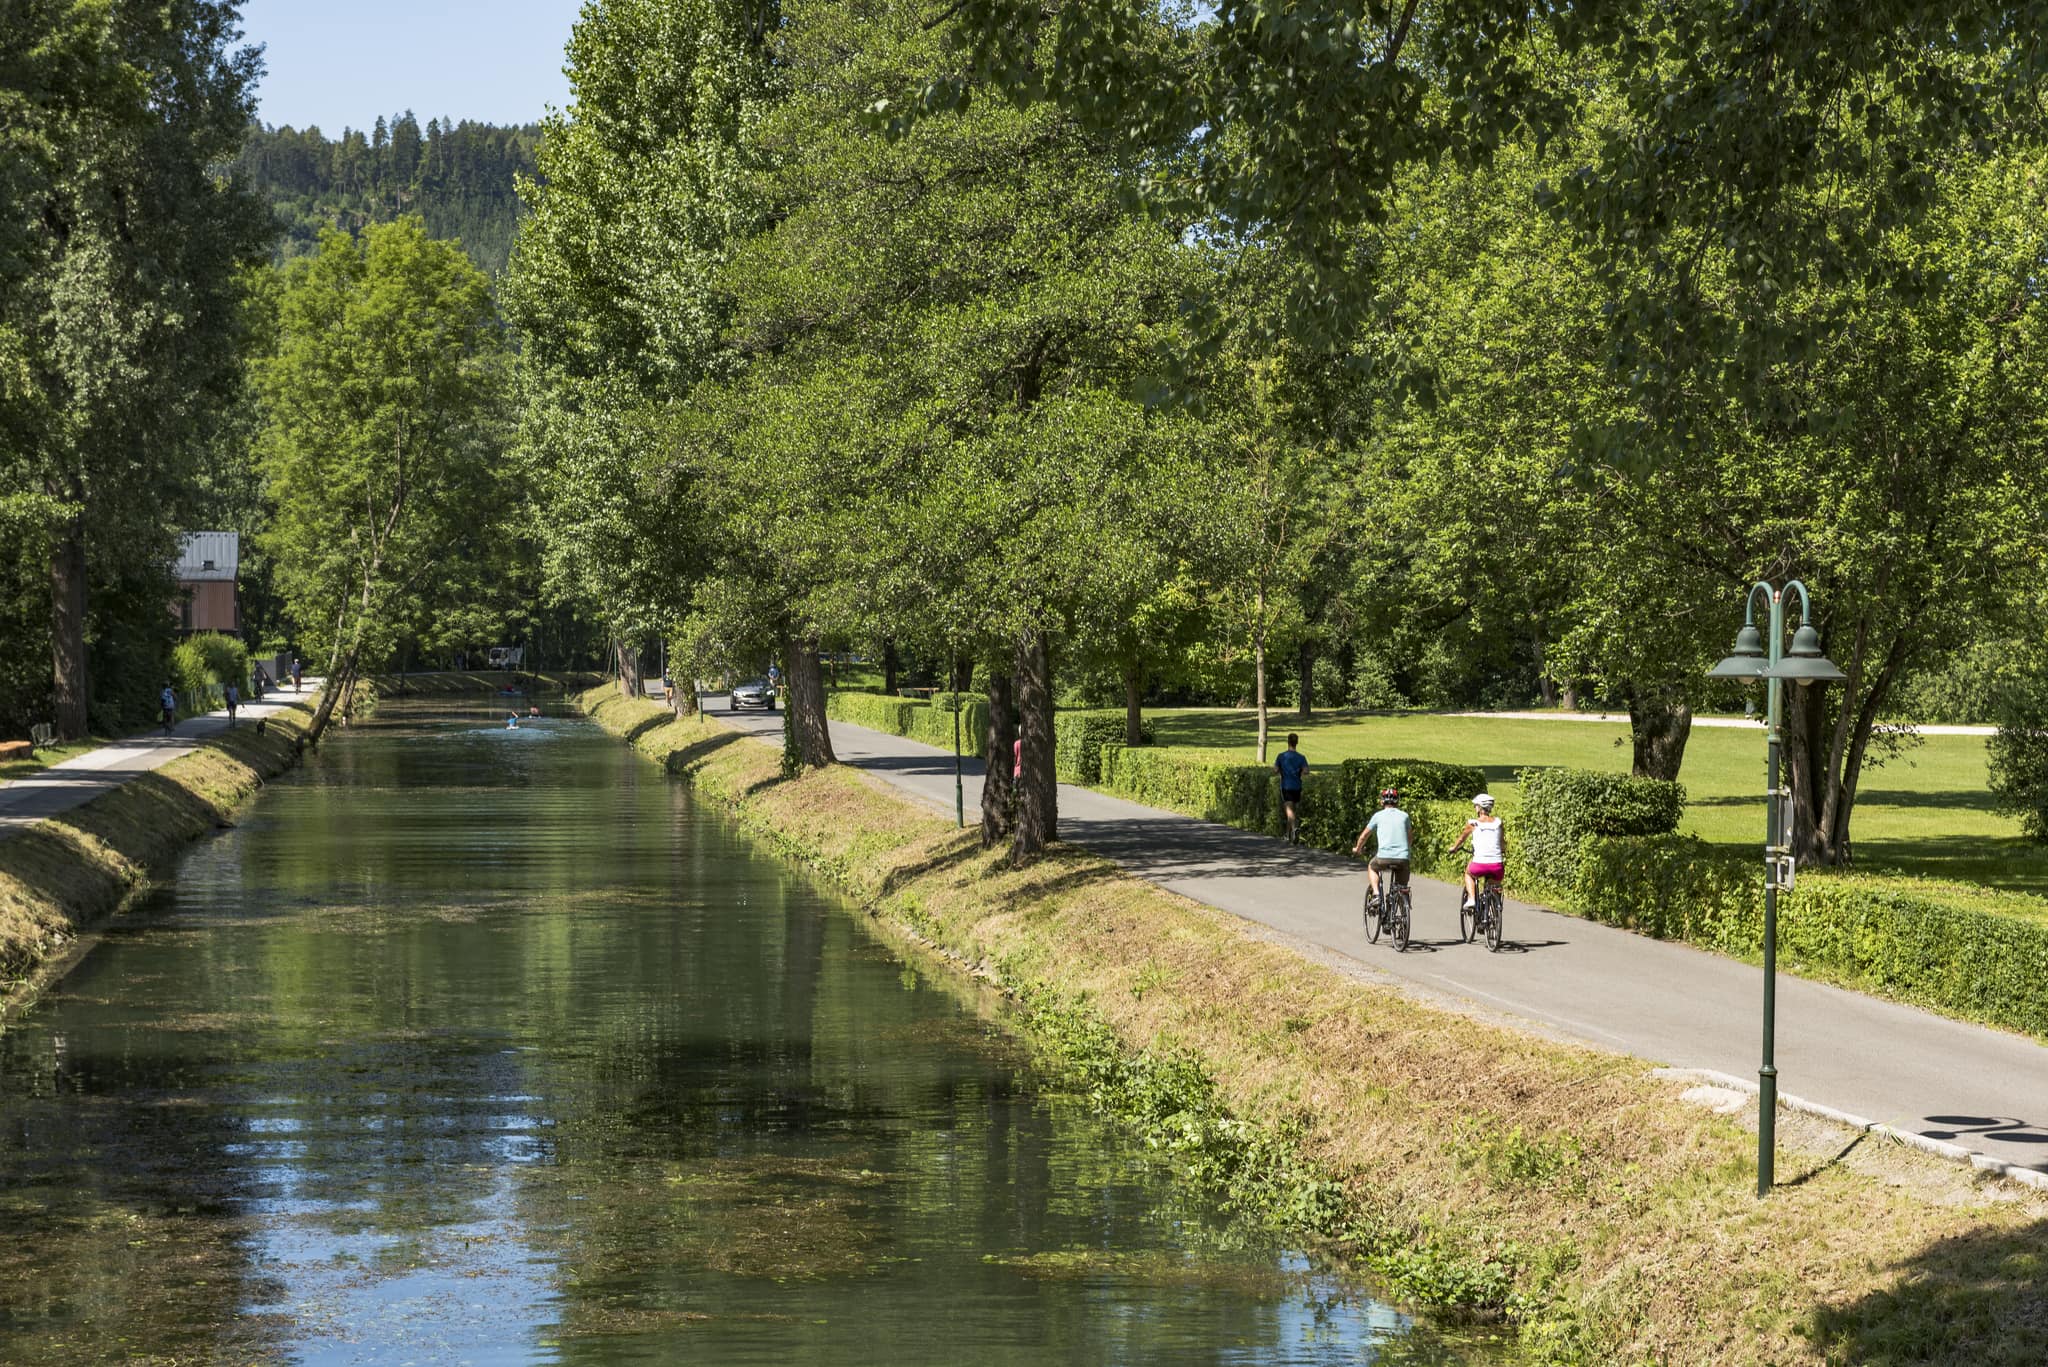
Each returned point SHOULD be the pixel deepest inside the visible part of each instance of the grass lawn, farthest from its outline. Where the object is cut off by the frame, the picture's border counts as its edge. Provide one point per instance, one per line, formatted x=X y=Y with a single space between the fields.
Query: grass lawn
x=1927 y=812
x=42 y=759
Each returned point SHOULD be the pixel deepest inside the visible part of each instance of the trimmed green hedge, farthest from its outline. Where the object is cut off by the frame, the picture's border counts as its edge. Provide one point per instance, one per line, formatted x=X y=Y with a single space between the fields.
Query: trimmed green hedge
x=933 y=724
x=1909 y=940
x=1561 y=807
x=1078 y=738
x=1336 y=800
x=877 y=711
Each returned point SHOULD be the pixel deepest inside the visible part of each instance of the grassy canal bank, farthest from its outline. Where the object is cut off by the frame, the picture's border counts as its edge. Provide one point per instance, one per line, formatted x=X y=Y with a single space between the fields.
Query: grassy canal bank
x=1470 y=1166
x=66 y=873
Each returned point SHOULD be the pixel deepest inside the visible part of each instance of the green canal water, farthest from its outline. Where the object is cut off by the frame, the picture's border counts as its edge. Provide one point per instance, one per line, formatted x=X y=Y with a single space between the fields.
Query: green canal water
x=472 y=1045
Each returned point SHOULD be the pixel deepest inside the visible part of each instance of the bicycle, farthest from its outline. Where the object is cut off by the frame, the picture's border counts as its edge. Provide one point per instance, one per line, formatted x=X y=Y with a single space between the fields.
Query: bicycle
x=1388 y=909
x=1485 y=915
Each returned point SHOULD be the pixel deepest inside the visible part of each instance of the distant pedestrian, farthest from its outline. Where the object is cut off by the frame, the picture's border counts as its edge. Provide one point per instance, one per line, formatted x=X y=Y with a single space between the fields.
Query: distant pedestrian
x=1017 y=758
x=295 y=674
x=234 y=701
x=168 y=701
x=1293 y=768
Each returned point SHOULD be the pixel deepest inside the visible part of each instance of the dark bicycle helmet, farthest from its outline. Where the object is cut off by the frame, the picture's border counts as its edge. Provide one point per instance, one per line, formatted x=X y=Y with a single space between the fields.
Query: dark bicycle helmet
x=1389 y=795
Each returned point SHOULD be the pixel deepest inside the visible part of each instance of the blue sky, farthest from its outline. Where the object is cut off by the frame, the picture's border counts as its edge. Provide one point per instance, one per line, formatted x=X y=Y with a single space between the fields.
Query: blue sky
x=344 y=64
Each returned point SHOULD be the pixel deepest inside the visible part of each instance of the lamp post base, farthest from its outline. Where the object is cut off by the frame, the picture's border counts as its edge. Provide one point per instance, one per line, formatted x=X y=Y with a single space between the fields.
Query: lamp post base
x=1766 y=1128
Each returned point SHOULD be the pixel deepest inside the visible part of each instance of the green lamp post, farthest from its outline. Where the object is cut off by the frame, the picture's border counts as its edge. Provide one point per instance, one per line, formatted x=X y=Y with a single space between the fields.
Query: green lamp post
x=1765 y=657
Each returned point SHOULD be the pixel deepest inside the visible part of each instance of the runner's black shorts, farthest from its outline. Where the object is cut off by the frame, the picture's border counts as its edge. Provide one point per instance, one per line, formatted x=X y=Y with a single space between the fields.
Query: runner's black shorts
x=1290 y=794
x=1397 y=867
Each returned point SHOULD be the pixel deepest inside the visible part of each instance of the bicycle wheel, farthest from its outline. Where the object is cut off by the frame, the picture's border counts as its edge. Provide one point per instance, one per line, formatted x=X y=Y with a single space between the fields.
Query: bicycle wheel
x=1468 y=919
x=1494 y=908
x=1372 y=919
x=1399 y=916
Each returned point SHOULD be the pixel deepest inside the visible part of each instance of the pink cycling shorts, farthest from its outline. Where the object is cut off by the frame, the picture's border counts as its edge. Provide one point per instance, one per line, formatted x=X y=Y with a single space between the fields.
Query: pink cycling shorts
x=1476 y=870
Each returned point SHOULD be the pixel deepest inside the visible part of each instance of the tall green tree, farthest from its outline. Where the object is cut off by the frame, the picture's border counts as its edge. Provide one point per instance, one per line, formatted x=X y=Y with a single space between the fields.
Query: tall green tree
x=386 y=427
x=985 y=297
x=120 y=319
x=641 y=191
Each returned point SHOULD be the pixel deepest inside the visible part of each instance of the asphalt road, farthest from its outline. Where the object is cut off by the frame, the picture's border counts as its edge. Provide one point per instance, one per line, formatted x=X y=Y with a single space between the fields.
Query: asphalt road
x=75 y=782
x=1983 y=1089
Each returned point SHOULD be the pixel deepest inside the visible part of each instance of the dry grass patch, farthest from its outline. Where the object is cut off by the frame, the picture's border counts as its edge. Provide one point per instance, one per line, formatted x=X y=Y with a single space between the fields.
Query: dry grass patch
x=1620 y=1217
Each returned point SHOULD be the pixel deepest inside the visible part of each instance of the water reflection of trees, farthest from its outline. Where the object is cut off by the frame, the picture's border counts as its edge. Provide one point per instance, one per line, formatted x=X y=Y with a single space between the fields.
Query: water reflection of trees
x=570 y=1038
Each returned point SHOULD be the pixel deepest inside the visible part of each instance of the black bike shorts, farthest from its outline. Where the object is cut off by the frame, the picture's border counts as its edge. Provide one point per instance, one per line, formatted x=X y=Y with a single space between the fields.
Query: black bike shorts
x=1397 y=867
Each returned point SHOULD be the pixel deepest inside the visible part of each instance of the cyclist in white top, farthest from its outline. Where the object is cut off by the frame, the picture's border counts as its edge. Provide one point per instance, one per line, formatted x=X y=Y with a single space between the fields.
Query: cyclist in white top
x=1489 y=838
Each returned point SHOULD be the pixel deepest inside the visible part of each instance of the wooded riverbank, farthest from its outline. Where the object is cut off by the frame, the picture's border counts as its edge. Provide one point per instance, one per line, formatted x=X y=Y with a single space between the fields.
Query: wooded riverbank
x=1472 y=1165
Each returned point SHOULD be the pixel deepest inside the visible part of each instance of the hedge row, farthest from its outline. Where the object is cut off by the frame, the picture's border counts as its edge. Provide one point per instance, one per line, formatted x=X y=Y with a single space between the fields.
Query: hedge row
x=1336 y=800
x=912 y=717
x=933 y=724
x=876 y=711
x=1561 y=807
x=1893 y=936
x=1078 y=738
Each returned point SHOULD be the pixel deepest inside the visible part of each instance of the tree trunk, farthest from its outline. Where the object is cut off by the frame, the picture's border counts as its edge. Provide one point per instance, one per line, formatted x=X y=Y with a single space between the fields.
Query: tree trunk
x=1038 y=788
x=1305 y=659
x=72 y=684
x=1259 y=674
x=889 y=668
x=626 y=666
x=807 y=703
x=998 y=809
x=963 y=674
x=1659 y=723
x=1546 y=687
x=1134 y=703
x=340 y=674
x=1570 y=698
x=1826 y=747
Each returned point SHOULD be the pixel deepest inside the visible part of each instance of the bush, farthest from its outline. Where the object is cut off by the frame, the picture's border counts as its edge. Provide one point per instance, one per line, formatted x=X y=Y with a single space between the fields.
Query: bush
x=876 y=711
x=934 y=724
x=202 y=665
x=2019 y=765
x=1561 y=807
x=1242 y=795
x=1951 y=949
x=1335 y=800
x=1078 y=738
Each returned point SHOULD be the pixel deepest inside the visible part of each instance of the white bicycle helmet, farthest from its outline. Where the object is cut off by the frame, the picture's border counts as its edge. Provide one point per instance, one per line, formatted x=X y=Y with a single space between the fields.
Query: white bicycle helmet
x=1484 y=802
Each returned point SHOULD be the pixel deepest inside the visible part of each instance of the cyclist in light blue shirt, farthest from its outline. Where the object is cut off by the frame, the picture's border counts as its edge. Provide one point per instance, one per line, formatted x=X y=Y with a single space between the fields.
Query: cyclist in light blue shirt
x=1393 y=831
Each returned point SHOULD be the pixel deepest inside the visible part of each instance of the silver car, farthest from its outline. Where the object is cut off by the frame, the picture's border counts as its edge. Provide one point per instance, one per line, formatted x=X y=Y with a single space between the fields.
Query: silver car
x=753 y=693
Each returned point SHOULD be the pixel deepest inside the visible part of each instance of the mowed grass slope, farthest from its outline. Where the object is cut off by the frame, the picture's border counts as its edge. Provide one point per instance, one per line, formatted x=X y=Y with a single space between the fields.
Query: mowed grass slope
x=1927 y=811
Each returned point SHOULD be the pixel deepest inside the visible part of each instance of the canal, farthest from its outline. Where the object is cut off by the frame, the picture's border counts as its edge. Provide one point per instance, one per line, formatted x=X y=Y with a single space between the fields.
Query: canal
x=477 y=1045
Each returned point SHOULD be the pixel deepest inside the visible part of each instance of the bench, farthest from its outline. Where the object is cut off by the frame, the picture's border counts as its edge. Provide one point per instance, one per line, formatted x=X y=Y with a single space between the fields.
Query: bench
x=41 y=736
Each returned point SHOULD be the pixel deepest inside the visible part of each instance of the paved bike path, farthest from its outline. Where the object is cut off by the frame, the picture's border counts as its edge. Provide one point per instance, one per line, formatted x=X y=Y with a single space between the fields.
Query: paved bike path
x=73 y=783
x=1983 y=1089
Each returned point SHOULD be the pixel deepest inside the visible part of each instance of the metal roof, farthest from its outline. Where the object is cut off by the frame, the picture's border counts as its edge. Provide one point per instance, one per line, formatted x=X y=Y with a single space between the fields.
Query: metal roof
x=204 y=556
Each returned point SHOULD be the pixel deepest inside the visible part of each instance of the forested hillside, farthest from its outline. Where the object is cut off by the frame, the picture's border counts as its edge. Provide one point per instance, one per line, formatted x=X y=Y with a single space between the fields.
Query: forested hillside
x=458 y=177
